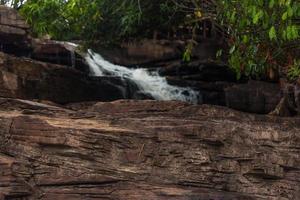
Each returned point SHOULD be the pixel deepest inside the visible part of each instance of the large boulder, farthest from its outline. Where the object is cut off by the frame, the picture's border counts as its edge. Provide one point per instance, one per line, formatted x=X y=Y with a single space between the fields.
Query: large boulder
x=133 y=150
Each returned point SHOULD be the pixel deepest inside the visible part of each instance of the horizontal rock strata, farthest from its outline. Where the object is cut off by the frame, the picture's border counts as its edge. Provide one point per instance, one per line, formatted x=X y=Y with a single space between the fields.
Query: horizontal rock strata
x=14 y=36
x=145 y=150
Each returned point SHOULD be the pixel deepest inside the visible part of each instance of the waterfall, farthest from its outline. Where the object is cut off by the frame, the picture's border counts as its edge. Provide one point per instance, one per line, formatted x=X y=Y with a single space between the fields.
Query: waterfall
x=148 y=82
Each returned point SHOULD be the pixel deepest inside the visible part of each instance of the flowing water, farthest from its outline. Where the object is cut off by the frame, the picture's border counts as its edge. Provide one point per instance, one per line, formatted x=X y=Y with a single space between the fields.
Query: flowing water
x=148 y=82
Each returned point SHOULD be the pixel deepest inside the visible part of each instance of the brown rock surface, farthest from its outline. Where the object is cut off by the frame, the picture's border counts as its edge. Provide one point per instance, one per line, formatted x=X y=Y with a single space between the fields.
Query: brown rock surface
x=15 y=39
x=11 y=22
x=14 y=36
x=149 y=52
x=145 y=150
x=254 y=96
x=29 y=79
x=62 y=53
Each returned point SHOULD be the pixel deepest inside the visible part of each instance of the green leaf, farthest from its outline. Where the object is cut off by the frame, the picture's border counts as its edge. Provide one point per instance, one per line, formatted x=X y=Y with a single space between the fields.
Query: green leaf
x=272 y=33
x=232 y=49
x=295 y=33
x=257 y=17
x=284 y=16
x=290 y=11
x=245 y=39
x=271 y=3
x=219 y=53
x=186 y=56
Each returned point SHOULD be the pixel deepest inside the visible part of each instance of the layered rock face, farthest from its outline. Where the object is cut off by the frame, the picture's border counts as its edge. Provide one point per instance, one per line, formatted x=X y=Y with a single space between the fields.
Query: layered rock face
x=14 y=37
x=134 y=150
x=11 y=23
x=28 y=79
x=61 y=53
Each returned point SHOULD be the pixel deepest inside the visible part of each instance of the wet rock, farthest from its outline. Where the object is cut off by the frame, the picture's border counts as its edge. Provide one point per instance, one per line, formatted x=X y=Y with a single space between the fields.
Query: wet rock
x=211 y=92
x=29 y=79
x=62 y=53
x=255 y=97
x=210 y=79
x=15 y=39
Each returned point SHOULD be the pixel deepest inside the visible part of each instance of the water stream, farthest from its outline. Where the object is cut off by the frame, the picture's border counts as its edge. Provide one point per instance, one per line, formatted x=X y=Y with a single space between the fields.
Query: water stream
x=148 y=82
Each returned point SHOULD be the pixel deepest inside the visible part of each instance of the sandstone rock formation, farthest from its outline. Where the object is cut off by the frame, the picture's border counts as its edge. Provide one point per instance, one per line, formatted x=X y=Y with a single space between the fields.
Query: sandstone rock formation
x=133 y=150
x=62 y=53
x=14 y=36
x=11 y=23
x=149 y=52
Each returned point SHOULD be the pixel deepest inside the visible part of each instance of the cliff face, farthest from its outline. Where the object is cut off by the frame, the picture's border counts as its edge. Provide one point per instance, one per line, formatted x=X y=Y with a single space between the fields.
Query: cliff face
x=145 y=150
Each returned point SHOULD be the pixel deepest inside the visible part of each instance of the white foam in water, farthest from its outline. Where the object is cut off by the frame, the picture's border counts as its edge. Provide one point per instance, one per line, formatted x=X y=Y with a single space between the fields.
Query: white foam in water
x=148 y=82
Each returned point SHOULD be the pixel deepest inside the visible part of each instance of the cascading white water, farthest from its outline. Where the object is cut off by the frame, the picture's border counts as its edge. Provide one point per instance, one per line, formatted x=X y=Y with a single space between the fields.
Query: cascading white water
x=148 y=82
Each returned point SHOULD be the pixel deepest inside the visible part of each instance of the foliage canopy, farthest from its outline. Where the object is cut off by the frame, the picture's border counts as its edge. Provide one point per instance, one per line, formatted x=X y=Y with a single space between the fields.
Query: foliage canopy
x=263 y=35
x=93 y=20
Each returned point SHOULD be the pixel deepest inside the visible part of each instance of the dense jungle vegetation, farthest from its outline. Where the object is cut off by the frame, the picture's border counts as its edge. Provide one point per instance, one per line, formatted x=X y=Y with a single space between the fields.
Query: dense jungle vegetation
x=263 y=35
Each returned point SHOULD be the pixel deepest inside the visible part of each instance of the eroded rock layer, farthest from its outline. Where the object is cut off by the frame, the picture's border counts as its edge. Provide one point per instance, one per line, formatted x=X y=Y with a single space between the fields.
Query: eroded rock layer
x=14 y=36
x=145 y=150
x=29 y=79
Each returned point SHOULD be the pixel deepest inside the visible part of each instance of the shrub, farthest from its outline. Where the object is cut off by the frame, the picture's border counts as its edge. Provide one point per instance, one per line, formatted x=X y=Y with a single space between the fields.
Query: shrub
x=263 y=35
